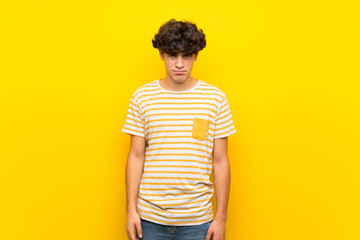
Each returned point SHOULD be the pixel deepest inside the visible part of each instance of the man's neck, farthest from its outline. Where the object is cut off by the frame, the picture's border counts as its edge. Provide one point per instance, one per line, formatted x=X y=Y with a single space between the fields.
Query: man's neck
x=171 y=85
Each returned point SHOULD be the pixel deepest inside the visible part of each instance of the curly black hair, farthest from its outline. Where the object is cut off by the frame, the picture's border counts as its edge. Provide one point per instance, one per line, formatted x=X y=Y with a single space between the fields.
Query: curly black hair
x=176 y=37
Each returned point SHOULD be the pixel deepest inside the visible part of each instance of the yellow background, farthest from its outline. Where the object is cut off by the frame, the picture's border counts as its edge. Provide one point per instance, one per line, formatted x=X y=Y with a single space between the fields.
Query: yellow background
x=290 y=70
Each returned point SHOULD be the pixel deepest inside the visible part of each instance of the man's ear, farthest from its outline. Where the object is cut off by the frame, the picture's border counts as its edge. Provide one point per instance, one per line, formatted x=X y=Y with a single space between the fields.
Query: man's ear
x=161 y=55
x=196 y=56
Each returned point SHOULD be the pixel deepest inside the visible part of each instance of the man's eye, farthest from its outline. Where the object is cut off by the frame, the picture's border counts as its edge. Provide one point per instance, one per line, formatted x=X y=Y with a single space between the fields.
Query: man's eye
x=187 y=56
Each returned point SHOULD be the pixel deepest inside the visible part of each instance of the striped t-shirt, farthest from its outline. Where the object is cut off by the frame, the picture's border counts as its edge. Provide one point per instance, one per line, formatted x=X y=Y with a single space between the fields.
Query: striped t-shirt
x=179 y=129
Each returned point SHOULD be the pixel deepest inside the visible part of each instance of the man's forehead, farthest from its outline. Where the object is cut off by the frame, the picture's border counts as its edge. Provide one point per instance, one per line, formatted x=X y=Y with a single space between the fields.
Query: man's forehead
x=179 y=53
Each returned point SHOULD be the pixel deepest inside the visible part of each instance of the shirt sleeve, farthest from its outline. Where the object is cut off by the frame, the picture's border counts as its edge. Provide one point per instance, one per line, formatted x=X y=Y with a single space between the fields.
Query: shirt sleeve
x=134 y=122
x=224 y=125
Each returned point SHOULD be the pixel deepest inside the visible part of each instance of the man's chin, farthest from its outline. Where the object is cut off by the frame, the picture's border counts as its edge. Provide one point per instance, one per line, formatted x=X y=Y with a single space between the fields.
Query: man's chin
x=179 y=79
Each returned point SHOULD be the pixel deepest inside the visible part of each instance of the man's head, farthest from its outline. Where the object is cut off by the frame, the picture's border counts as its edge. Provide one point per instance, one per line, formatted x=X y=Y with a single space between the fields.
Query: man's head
x=179 y=44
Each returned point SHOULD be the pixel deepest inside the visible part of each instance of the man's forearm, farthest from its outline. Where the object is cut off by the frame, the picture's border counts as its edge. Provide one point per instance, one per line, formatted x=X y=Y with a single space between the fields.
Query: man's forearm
x=134 y=170
x=222 y=187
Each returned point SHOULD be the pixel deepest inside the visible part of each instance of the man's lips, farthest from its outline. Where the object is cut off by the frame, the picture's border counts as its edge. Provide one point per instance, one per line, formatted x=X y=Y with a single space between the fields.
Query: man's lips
x=179 y=72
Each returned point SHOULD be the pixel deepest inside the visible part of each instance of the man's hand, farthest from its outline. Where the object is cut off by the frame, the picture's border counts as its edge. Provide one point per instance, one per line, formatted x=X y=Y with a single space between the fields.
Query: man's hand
x=216 y=230
x=133 y=221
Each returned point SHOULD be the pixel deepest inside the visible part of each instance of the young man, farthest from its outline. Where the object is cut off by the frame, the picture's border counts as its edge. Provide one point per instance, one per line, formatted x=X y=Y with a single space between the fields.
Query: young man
x=179 y=127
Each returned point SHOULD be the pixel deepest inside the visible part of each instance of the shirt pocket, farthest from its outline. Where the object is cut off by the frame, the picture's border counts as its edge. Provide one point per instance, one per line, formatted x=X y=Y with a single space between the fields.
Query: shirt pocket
x=201 y=128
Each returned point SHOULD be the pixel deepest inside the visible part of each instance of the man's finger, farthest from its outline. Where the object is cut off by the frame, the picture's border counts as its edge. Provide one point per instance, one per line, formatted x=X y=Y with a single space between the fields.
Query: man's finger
x=139 y=230
x=209 y=234
x=131 y=233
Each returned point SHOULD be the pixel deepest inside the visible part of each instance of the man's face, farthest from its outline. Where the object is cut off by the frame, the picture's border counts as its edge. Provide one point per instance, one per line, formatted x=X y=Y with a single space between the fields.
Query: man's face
x=178 y=68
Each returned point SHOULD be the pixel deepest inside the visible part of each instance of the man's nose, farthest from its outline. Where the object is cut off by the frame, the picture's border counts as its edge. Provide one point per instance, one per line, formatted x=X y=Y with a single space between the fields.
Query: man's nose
x=179 y=62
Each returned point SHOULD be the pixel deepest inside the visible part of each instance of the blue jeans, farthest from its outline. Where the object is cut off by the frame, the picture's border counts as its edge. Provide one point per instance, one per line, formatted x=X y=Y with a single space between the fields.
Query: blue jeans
x=154 y=231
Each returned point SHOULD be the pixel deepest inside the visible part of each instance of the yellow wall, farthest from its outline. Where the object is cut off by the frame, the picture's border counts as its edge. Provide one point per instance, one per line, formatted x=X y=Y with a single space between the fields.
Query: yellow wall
x=290 y=70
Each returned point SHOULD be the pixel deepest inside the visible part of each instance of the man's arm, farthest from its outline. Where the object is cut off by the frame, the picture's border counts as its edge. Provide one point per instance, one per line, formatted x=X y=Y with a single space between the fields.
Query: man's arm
x=134 y=170
x=221 y=168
